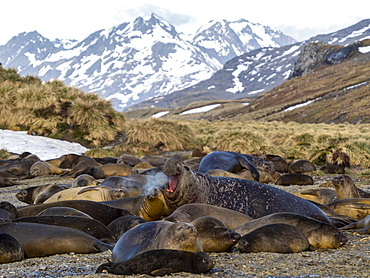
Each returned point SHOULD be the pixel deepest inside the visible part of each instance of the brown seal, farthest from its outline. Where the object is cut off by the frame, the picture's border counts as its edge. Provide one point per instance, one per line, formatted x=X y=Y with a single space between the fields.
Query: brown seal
x=160 y=262
x=96 y=210
x=319 y=234
x=124 y=223
x=213 y=235
x=38 y=240
x=250 y=197
x=363 y=223
x=8 y=212
x=319 y=195
x=346 y=188
x=275 y=238
x=357 y=208
x=156 y=235
x=88 y=225
x=63 y=211
x=84 y=180
x=280 y=164
x=43 y=168
x=294 y=178
x=38 y=194
x=10 y=249
x=332 y=169
x=190 y=212
x=301 y=166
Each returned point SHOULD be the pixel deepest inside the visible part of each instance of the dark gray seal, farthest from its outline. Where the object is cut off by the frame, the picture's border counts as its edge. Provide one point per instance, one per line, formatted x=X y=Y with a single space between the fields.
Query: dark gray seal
x=124 y=223
x=160 y=262
x=8 y=212
x=332 y=169
x=275 y=238
x=250 y=197
x=346 y=188
x=38 y=194
x=10 y=249
x=213 y=235
x=301 y=166
x=229 y=161
x=296 y=179
x=156 y=235
x=319 y=234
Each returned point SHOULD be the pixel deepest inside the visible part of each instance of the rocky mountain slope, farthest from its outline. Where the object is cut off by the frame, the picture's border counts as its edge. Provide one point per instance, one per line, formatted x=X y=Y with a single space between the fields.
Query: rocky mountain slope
x=256 y=72
x=330 y=85
x=137 y=60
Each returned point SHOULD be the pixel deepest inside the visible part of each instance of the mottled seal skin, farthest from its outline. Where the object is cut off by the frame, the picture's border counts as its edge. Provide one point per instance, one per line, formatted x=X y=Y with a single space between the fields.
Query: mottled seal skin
x=84 y=180
x=160 y=262
x=190 y=212
x=250 y=197
x=43 y=168
x=213 y=235
x=38 y=194
x=229 y=161
x=319 y=195
x=10 y=249
x=346 y=188
x=301 y=166
x=38 y=240
x=92 y=193
x=332 y=169
x=101 y=212
x=275 y=238
x=124 y=223
x=293 y=178
x=357 y=208
x=319 y=234
x=89 y=226
x=156 y=235
x=8 y=212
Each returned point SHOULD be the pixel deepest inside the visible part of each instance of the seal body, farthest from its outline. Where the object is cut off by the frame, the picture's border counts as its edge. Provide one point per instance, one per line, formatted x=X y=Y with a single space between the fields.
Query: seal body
x=156 y=235
x=124 y=223
x=292 y=178
x=346 y=188
x=250 y=197
x=275 y=238
x=10 y=249
x=319 y=234
x=38 y=240
x=229 y=161
x=357 y=208
x=160 y=262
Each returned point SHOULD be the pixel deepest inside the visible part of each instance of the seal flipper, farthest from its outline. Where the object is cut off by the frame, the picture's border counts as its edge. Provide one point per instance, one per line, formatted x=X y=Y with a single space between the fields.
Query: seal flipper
x=161 y=272
x=248 y=165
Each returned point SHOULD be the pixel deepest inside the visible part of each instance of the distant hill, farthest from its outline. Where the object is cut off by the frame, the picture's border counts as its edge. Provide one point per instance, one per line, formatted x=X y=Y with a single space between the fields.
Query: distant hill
x=335 y=89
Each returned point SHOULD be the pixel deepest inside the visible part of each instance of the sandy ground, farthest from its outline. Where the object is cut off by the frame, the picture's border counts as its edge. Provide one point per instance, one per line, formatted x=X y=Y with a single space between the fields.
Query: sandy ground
x=351 y=260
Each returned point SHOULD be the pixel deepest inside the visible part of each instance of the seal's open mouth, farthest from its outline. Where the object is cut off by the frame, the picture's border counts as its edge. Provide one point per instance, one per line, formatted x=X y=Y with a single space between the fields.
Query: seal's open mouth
x=172 y=183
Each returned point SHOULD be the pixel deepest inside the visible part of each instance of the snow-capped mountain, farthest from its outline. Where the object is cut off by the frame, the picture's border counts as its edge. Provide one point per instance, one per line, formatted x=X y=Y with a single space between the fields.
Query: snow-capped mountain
x=257 y=71
x=137 y=60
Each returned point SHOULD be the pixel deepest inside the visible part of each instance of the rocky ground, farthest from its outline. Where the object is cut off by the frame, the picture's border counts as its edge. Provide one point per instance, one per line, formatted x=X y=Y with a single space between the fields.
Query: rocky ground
x=351 y=260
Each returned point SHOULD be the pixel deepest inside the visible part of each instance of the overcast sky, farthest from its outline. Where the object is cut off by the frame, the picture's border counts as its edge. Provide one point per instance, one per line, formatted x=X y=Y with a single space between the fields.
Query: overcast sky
x=77 y=19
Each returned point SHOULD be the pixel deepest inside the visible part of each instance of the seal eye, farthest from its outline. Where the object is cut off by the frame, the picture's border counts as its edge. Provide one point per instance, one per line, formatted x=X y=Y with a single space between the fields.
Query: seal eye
x=186 y=168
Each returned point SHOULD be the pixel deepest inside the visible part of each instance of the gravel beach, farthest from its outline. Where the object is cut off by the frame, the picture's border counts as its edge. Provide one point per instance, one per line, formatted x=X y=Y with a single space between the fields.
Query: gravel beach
x=351 y=260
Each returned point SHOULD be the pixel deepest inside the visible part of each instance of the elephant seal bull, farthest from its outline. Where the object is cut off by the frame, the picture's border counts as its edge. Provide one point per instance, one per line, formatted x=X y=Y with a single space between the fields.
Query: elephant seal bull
x=250 y=197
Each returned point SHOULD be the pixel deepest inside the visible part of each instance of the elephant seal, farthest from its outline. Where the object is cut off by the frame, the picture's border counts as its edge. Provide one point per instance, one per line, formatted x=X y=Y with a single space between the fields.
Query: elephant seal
x=38 y=240
x=63 y=211
x=128 y=159
x=280 y=164
x=332 y=169
x=160 y=262
x=293 y=178
x=156 y=235
x=101 y=212
x=19 y=168
x=76 y=163
x=5 y=182
x=10 y=249
x=8 y=212
x=38 y=194
x=190 y=212
x=88 y=225
x=319 y=234
x=92 y=193
x=223 y=173
x=319 y=195
x=43 y=168
x=84 y=180
x=250 y=197
x=346 y=188
x=229 y=161
x=275 y=238
x=363 y=223
x=155 y=160
x=213 y=235
x=357 y=208
x=301 y=166
x=124 y=223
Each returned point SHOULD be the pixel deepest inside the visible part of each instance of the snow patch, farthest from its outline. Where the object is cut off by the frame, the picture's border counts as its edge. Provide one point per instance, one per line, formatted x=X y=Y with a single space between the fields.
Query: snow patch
x=200 y=109
x=160 y=114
